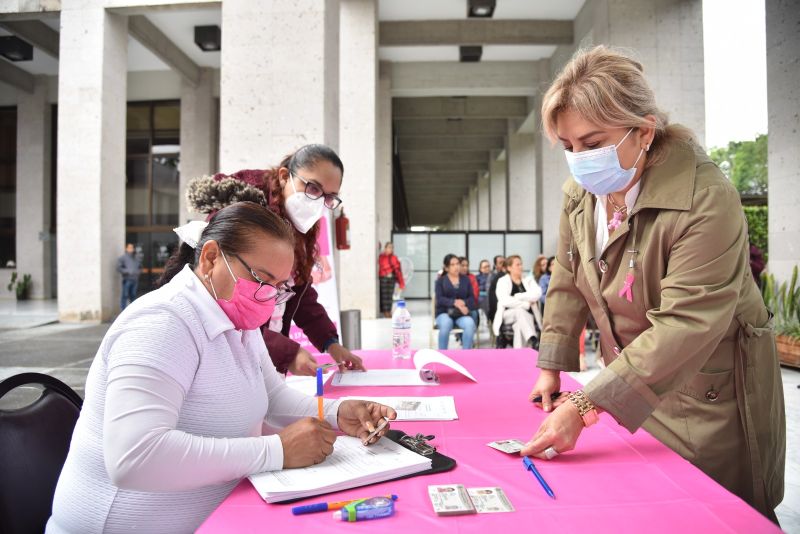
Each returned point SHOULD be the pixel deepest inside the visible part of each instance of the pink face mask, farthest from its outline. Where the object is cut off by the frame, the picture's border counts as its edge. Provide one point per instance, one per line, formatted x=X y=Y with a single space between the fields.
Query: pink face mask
x=244 y=311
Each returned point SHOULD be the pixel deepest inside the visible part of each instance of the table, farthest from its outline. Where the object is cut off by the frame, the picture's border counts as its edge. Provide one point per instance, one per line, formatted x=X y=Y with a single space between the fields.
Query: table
x=612 y=482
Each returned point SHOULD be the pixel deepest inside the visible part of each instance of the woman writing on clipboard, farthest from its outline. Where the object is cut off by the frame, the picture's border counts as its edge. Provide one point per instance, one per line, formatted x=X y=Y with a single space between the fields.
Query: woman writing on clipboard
x=653 y=242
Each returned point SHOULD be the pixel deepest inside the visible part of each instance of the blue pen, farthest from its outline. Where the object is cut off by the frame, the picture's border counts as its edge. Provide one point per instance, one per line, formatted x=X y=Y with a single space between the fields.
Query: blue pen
x=532 y=468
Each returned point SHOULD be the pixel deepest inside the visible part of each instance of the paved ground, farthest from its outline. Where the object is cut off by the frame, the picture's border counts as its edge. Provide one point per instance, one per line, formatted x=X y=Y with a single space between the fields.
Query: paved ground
x=30 y=341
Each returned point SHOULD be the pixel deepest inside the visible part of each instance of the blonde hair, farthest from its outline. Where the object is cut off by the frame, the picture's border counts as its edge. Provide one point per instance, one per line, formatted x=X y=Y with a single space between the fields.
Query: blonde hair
x=608 y=88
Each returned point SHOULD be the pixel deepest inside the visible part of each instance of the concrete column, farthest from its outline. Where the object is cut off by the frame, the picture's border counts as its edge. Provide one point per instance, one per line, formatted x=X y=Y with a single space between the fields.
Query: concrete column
x=358 y=136
x=667 y=37
x=484 y=204
x=473 y=208
x=198 y=136
x=497 y=190
x=554 y=173
x=384 y=149
x=465 y=213
x=34 y=254
x=91 y=161
x=279 y=83
x=783 y=92
x=521 y=162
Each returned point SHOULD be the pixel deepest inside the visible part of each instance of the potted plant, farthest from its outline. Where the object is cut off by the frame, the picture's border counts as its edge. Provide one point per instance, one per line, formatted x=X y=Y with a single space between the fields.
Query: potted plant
x=20 y=285
x=784 y=301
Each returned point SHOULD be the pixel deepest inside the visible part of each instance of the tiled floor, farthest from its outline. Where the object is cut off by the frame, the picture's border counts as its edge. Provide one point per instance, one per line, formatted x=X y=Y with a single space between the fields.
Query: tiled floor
x=28 y=342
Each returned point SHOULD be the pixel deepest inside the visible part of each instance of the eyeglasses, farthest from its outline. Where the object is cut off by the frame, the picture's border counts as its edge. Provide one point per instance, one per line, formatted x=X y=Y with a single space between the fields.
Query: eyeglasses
x=267 y=291
x=314 y=191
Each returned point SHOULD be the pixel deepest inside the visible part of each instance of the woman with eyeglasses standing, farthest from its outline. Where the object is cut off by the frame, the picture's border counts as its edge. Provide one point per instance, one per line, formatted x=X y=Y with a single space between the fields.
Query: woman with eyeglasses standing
x=180 y=386
x=300 y=189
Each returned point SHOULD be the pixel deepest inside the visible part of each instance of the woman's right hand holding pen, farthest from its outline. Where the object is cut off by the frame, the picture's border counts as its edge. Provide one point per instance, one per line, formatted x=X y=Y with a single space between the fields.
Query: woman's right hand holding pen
x=306 y=442
x=549 y=382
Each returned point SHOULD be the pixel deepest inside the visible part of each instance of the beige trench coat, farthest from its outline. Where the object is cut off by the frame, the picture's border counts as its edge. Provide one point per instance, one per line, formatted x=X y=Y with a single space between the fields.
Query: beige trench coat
x=692 y=359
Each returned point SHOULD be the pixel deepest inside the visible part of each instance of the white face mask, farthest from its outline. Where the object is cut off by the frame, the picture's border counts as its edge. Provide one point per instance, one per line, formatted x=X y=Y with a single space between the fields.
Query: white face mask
x=303 y=211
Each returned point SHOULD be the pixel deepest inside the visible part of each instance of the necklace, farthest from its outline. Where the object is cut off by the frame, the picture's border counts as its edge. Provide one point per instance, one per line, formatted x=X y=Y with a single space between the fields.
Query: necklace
x=619 y=214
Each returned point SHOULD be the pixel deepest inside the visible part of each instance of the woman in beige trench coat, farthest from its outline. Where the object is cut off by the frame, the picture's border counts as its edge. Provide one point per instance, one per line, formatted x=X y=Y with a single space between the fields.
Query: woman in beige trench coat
x=654 y=244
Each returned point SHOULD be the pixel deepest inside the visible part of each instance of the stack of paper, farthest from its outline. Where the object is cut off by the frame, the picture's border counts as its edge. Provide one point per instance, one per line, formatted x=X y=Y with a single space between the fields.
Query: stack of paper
x=418 y=408
x=350 y=465
x=401 y=377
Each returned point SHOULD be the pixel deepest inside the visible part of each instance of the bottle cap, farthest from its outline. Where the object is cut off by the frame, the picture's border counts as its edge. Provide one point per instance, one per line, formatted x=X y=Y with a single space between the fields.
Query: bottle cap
x=401 y=304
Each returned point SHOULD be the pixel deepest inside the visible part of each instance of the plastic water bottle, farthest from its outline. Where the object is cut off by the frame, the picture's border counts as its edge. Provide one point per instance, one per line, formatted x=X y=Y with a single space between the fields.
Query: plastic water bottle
x=401 y=332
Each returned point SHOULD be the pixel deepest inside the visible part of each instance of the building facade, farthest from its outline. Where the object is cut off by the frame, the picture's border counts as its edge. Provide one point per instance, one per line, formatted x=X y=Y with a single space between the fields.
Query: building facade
x=433 y=107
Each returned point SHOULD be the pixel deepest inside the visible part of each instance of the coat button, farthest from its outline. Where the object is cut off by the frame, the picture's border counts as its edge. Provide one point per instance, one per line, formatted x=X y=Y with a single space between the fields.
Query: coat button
x=712 y=395
x=602 y=265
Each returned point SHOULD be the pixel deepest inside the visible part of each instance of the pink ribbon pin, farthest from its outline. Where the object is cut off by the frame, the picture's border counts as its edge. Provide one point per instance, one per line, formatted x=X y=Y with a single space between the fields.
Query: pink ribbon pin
x=627 y=288
x=616 y=220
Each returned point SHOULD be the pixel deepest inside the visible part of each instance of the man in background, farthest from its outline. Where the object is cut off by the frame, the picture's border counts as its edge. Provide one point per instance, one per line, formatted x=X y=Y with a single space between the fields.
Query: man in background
x=129 y=267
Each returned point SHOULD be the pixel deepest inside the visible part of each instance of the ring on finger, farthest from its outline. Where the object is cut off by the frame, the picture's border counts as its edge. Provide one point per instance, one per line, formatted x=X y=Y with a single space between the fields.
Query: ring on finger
x=550 y=453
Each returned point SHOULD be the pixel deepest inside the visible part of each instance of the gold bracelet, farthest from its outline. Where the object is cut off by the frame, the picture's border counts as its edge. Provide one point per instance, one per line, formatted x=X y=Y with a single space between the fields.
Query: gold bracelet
x=586 y=409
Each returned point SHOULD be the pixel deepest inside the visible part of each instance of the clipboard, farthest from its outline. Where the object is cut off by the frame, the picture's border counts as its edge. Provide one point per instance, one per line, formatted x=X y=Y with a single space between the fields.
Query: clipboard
x=439 y=462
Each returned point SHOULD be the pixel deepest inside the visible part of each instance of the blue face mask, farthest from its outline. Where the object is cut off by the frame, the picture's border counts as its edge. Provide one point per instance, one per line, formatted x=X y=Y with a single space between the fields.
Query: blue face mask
x=598 y=170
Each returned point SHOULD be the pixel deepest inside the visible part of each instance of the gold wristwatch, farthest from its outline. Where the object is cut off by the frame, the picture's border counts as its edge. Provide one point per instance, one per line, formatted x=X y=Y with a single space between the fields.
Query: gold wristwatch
x=586 y=409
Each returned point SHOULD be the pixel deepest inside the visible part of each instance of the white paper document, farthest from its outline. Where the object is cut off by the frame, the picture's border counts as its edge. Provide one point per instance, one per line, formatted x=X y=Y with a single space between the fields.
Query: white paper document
x=350 y=465
x=418 y=408
x=402 y=377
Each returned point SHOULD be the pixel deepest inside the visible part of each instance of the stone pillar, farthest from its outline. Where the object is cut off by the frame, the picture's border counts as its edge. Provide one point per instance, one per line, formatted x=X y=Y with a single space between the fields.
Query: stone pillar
x=34 y=254
x=667 y=38
x=384 y=149
x=198 y=137
x=358 y=137
x=91 y=161
x=554 y=173
x=783 y=98
x=497 y=191
x=484 y=203
x=279 y=83
x=473 y=208
x=521 y=162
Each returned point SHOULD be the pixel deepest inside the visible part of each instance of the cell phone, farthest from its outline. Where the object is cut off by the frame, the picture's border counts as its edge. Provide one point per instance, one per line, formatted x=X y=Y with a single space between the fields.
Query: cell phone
x=375 y=432
x=553 y=396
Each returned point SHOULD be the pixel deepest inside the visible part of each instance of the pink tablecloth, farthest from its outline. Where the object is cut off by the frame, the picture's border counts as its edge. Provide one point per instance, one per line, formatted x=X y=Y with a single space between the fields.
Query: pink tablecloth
x=612 y=482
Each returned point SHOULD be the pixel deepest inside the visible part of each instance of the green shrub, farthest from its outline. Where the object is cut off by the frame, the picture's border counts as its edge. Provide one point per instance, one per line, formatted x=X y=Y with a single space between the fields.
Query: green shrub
x=757 y=217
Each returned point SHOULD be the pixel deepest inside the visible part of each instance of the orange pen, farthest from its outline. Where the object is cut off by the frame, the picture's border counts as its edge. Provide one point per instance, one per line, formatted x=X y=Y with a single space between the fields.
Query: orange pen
x=320 y=411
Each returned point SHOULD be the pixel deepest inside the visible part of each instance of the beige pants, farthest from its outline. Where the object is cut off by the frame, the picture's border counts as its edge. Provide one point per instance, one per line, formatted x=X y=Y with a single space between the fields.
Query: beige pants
x=522 y=322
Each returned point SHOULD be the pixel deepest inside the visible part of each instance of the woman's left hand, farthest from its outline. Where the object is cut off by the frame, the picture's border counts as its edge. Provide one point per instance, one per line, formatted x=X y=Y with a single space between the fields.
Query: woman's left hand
x=342 y=355
x=359 y=418
x=559 y=430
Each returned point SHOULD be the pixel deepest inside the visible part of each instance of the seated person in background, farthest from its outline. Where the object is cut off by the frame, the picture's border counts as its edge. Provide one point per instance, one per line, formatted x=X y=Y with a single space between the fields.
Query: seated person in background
x=182 y=382
x=464 y=271
x=454 y=302
x=484 y=272
x=517 y=299
x=544 y=282
x=499 y=271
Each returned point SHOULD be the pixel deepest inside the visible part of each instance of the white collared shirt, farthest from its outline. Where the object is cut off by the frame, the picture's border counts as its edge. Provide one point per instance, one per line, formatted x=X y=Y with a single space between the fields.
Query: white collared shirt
x=172 y=420
x=601 y=216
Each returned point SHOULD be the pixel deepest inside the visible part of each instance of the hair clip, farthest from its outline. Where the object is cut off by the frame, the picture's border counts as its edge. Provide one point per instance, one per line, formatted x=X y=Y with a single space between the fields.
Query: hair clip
x=419 y=444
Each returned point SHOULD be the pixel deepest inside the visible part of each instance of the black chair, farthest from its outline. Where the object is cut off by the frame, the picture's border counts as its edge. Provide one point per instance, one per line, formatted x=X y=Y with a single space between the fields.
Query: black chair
x=34 y=441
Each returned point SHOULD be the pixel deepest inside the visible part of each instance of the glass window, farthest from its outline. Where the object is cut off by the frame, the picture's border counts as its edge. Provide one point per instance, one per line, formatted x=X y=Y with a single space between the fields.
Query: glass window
x=153 y=154
x=413 y=249
x=136 y=192
x=443 y=244
x=165 y=190
x=484 y=247
x=526 y=245
x=138 y=118
x=8 y=185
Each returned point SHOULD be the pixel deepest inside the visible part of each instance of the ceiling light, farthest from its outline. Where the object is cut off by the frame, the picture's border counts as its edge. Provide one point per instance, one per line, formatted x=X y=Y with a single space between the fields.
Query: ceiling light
x=15 y=49
x=481 y=8
x=208 y=38
x=470 y=54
